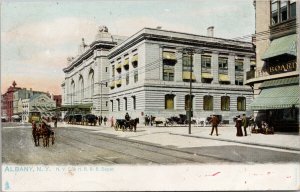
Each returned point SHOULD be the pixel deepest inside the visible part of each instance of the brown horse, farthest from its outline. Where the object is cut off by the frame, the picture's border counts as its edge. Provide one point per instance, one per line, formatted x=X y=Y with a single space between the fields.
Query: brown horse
x=133 y=123
x=42 y=131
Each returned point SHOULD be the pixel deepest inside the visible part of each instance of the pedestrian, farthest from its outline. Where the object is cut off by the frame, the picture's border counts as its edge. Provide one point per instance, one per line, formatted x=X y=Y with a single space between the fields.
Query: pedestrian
x=55 y=122
x=105 y=119
x=245 y=124
x=112 y=121
x=238 y=125
x=214 y=124
x=100 y=120
x=151 y=122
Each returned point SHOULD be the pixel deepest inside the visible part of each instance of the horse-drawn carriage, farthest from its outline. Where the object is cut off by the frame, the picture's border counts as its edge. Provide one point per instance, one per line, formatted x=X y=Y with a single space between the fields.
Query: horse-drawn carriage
x=43 y=131
x=124 y=124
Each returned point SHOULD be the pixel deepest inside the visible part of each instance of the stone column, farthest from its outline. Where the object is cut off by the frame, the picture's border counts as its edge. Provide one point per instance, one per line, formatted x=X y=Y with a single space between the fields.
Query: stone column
x=215 y=67
x=197 y=67
x=246 y=67
x=231 y=68
x=178 y=67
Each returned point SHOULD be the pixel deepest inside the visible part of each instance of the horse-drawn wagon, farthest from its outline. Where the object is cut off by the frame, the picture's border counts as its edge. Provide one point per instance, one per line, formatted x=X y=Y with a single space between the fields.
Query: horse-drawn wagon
x=41 y=130
x=124 y=124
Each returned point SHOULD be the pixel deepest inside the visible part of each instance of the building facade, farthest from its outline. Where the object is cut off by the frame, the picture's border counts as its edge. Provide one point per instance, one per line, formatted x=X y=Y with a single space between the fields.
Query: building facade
x=85 y=75
x=276 y=77
x=7 y=107
x=150 y=75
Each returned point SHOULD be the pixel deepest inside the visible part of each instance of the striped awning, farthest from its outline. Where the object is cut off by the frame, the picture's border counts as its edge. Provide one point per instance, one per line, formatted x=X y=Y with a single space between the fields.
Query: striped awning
x=223 y=77
x=169 y=55
x=186 y=75
x=207 y=76
x=277 y=98
x=281 y=46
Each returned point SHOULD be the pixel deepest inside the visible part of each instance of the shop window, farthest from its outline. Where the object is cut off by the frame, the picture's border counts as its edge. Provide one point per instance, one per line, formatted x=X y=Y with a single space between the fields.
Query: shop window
x=225 y=103
x=241 y=104
x=208 y=103
x=169 y=101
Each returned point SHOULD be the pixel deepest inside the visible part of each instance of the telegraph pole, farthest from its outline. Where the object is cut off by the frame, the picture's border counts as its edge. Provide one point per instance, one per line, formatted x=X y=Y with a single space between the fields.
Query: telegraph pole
x=190 y=100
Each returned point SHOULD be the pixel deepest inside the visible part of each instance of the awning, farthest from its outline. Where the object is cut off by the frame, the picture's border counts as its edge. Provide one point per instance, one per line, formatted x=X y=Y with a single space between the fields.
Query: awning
x=169 y=55
x=134 y=58
x=186 y=75
x=280 y=82
x=126 y=62
x=207 y=76
x=223 y=77
x=112 y=84
x=281 y=46
x=119 y=66
x=277 y=98
x=119 y=82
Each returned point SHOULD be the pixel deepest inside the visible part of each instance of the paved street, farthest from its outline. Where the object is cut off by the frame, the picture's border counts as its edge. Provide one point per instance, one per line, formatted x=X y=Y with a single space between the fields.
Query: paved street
x=89 y=145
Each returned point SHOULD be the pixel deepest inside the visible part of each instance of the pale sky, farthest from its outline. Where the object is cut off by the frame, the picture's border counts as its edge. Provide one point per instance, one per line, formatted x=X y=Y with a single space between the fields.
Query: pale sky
x=38 y=36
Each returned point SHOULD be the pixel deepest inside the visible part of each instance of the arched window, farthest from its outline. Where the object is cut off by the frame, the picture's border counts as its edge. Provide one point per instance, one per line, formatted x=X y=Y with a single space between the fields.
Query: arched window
x=225 y=103
x=81 y=88
x=91 y=81
x=72 y=94
x=188 y=103
x=208 y=103
x=241 y=104
x=169 y=101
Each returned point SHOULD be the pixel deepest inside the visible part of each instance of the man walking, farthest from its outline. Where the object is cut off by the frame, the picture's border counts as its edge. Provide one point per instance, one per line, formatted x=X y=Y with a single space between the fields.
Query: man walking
x=245 y=124
x=214 y=124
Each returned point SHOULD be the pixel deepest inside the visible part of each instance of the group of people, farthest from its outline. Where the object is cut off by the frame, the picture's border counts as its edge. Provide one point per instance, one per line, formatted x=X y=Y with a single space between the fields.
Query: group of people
x=239 y=123
x=102 y=119
x=148 y=120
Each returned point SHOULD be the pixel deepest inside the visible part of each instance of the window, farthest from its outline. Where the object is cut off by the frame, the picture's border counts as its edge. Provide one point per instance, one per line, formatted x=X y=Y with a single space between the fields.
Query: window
x=239 y=65
x=208 y=104
x=168 y=70
x=188 y=102
x=186 y=62
x=106 y=69
x=125 y=103
x=223 y=63
x=225 y=103
x=136 y=76
x=127 y=78
x=239 y=80
x=205 y=61
x=241 y=104
x=112 y=105
x=293 y=9
x=106 y=103
x=106 y=84
x=282 y=10
x=169 y=101
x=134 y=102
x=118 y=104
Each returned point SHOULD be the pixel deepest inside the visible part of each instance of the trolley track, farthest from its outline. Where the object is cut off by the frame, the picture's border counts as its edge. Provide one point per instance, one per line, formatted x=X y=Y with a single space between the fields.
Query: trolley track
x=175 y=155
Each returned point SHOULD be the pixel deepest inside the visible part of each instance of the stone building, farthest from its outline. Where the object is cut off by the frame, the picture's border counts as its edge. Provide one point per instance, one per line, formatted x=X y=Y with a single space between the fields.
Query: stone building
x=276 y=77
x=149 y=74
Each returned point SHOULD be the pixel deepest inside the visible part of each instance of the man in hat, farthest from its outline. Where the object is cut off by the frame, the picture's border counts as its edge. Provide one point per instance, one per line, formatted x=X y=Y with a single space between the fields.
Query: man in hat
x=214 y=124
x=245 y=124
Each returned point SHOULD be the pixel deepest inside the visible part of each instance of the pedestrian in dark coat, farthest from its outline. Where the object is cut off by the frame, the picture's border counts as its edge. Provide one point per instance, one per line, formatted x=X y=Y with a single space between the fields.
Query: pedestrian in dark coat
x=245 y=124
x=214 y=124
x=238 y=125
x=105 y=119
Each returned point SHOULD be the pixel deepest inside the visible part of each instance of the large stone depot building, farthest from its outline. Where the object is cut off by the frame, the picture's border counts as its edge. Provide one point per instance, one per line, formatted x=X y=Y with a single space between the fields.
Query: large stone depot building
x=149 y=74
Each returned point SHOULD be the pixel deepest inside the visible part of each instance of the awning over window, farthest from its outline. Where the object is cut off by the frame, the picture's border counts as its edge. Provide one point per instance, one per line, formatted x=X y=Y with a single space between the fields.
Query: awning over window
x=126 y=62
x=223 y=77
x=119 y=82
x=186 y=75
x=281 y=46
x=277 y=98
x=169 y=55
x=134 y=58
x=119 y=66
x=112 y=84
x=207 y=76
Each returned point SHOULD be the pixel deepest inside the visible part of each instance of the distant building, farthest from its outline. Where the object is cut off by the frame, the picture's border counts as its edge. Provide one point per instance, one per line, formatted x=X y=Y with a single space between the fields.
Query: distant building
x=7 y=109
x=275 y=78
x=57 y=99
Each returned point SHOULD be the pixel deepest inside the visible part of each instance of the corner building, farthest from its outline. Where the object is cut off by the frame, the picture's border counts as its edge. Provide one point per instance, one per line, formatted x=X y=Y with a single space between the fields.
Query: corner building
x=149 y=74
x=276 y=76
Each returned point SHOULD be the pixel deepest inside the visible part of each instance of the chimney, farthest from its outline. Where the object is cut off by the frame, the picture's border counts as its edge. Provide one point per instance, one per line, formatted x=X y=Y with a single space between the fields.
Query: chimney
x=210 y=31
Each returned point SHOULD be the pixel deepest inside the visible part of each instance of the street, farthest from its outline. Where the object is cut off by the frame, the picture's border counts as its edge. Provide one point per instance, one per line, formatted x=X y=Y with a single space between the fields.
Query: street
x=77 y=146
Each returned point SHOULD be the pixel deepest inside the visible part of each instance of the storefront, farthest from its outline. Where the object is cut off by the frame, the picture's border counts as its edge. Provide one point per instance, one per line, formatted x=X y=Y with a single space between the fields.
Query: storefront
x=278 y=104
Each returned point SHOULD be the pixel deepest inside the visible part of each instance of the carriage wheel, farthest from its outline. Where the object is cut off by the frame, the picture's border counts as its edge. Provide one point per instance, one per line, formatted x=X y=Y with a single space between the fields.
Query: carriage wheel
x=123 y=127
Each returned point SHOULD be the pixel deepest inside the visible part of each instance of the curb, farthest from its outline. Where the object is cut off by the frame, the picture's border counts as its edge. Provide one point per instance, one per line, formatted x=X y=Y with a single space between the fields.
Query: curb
x=234 y=141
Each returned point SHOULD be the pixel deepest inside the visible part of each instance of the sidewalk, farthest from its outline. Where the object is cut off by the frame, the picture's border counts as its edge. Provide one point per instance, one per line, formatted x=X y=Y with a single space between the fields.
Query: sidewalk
x=179 y=137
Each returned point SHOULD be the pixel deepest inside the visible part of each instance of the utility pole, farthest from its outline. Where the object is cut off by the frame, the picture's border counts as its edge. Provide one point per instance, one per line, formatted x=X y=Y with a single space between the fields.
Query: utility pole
x=190 y=100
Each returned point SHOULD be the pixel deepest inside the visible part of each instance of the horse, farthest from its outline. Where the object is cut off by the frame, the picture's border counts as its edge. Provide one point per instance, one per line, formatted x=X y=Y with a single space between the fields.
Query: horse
x=36 y=133
x=42 y=131
x=133 y=123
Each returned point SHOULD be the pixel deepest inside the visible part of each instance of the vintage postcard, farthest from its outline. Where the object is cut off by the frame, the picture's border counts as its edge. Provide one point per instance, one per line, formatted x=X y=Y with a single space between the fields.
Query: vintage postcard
x=112 y=95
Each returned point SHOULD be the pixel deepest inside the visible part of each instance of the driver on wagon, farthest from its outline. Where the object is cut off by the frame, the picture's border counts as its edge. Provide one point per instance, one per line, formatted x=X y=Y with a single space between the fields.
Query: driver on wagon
x=127 y=117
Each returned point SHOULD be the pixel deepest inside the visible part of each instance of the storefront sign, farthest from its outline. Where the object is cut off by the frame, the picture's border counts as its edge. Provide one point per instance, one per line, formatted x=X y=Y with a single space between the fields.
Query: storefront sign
x=282 y=68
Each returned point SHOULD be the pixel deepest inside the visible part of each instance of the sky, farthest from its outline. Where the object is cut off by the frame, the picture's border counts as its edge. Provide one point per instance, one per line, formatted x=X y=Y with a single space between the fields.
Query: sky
x=38 y=36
